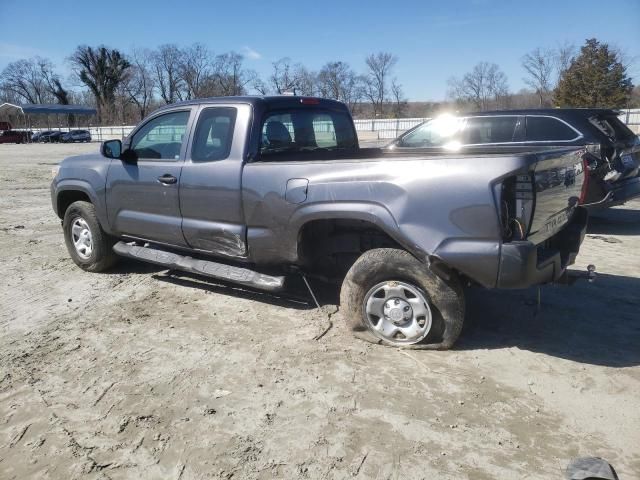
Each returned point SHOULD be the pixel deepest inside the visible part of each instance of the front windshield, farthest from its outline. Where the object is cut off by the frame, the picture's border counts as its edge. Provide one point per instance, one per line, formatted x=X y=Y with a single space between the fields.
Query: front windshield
x=443 y=131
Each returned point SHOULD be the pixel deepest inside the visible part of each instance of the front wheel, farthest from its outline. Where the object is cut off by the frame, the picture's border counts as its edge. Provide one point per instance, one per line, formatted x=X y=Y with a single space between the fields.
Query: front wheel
x=88 y=245
x=390 y=297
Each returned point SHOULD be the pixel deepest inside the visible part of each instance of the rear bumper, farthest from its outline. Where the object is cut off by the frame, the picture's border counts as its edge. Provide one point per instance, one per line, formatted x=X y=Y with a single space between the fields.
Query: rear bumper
x=524 y=264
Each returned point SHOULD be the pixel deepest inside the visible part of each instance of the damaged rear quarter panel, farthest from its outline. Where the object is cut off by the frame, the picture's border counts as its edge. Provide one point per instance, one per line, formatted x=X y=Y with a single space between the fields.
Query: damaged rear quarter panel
x=433 y=206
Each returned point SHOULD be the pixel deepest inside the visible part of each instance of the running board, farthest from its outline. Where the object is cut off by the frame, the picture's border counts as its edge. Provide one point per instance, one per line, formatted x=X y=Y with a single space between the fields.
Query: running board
x=220 y=271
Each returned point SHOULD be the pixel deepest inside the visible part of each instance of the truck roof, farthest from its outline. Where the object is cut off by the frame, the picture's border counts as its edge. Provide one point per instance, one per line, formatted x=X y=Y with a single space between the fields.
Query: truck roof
x=268 y=102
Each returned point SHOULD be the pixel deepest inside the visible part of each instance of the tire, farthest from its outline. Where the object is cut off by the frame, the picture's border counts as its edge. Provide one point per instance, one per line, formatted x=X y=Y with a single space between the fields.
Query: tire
x=399 y=280
x=94 y=252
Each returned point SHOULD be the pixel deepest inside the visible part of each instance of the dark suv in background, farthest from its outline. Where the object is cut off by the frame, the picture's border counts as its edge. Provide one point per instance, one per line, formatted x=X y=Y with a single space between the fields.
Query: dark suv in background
x=612 y=149
x=76 y=136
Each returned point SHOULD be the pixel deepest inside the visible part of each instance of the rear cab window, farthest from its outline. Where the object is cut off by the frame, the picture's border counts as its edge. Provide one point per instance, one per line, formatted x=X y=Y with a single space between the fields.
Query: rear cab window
x=304 y=130
x=546 y=129
x=213 y=134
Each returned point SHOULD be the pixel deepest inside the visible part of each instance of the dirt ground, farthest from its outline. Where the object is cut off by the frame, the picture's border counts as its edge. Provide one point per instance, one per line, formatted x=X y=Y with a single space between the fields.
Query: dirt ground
x=143 y=373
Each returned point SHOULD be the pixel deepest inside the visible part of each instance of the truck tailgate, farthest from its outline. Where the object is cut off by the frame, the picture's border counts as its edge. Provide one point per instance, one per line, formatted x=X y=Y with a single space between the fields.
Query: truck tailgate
x=558 y=181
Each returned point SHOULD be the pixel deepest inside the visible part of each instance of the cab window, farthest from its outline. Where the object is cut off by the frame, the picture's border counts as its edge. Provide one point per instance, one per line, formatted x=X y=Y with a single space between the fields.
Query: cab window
x=161 y=138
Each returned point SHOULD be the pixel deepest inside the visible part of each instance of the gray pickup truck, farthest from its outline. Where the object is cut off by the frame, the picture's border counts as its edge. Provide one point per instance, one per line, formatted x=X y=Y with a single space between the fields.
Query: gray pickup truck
x=251 y=189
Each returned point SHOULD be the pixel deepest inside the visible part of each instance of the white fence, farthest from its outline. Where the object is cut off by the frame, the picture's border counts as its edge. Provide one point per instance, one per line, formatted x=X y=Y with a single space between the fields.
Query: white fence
x=371 y=129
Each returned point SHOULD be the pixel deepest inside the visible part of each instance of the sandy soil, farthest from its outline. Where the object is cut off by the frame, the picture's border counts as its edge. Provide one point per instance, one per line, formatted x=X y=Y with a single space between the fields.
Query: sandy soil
x=142 y=373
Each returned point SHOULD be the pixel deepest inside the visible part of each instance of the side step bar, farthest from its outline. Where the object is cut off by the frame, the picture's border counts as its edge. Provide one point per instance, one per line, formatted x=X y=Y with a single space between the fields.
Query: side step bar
x=220 y=271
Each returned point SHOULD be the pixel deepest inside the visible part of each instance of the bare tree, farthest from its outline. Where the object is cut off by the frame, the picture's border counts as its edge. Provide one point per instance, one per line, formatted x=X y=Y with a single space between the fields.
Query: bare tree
x=539 y=65
x=139 y=83
x=230 y=76
x=564 y=55
x=484 y=87
x=375 y=81
x=194 y=69
x=283 y=78
x=166 y=71
x=103 y=70
x=259 y=85
x=24 y=79
x=338 y=81
x=52 y=81
x=306 y=81
x=399 y=102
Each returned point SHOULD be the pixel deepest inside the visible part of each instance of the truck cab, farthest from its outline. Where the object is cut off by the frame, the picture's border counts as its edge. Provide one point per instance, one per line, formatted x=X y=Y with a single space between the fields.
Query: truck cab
x=180 y=179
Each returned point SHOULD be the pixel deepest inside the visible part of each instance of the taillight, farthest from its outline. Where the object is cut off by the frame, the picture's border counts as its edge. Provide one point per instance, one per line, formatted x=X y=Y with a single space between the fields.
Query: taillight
x=310 y=101
x=517 y=204
x=585 y=182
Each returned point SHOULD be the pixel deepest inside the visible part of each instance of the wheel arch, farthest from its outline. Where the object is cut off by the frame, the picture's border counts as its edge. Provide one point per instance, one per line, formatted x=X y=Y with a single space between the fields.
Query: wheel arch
x=370 y=214
x=69 y=191
x=334 y=239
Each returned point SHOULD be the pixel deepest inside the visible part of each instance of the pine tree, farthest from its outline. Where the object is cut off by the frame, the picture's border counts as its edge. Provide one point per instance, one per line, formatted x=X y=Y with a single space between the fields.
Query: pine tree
x=595 y=78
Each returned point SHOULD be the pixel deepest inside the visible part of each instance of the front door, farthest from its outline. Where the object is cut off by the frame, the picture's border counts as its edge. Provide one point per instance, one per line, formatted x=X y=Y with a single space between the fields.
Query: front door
x=211 y=181
x=143 y=197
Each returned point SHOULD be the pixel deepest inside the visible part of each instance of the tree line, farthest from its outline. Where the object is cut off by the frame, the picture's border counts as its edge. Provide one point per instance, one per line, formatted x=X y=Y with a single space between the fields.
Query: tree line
x=594 y=76
x=124 y=88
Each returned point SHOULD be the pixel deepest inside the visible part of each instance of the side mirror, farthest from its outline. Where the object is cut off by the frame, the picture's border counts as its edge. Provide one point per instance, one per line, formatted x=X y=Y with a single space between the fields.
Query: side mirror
x=111 y=148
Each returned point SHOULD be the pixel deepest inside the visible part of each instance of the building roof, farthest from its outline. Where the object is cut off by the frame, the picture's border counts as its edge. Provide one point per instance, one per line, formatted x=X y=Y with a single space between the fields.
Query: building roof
x=43 y=109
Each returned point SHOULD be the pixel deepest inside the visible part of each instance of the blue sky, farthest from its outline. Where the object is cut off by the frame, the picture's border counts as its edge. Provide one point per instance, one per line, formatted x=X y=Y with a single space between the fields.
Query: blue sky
x=433 y=40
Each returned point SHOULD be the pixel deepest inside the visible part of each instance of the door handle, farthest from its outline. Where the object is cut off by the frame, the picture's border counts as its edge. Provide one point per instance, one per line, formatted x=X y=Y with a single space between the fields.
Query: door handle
x=167 y=179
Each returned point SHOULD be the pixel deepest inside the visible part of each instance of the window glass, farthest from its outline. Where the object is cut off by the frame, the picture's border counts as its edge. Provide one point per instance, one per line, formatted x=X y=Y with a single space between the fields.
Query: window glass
x=301 y=130
x=547 y=128
x=451 y=132
x=214 y=134
x=439 y=132
x=479 y=130
x=162 y=137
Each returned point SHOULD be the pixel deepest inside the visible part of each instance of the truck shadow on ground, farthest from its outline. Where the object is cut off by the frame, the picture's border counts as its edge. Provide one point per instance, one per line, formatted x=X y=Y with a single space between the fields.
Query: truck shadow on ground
x=614 y=221
x=296 y=295
x=595 y=323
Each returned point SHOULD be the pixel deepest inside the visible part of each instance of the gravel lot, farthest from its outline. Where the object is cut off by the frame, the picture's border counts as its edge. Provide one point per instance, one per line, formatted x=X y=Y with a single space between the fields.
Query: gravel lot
x=143 y=373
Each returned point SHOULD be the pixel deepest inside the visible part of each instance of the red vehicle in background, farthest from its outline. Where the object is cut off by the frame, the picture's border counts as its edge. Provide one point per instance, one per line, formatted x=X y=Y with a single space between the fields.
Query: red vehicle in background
x=14 y=136
x=5 y=126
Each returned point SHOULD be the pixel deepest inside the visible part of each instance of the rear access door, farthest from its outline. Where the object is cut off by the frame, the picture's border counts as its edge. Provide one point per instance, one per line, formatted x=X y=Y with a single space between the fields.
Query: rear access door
x=211 y=181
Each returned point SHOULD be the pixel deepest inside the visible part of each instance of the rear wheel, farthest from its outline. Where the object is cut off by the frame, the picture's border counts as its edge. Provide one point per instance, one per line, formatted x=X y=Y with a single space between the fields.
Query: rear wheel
x=390 y=297
x=88 y=245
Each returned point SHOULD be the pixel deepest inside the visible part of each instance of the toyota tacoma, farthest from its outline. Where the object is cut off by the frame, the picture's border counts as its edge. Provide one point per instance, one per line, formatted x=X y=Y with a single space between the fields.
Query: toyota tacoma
x=252 y=189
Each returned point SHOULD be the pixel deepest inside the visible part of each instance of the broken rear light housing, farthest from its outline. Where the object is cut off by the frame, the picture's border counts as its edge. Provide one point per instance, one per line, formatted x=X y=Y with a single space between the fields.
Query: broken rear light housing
x=516 y=209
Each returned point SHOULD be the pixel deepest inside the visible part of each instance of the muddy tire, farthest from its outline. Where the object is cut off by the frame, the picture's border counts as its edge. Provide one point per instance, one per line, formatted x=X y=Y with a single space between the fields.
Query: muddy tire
x=391 y=298
x=88 y=245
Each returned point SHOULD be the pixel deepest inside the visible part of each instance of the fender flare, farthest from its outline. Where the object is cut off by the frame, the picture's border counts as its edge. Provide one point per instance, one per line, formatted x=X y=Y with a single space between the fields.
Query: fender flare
x=373 y=213
x=77 y=185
